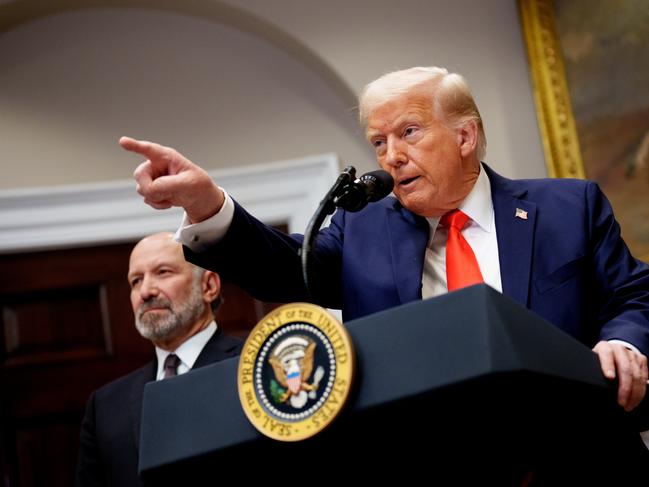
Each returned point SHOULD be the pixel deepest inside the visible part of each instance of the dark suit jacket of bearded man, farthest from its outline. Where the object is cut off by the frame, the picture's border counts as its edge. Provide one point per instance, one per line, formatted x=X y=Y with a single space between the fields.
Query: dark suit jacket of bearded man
x=110 y=431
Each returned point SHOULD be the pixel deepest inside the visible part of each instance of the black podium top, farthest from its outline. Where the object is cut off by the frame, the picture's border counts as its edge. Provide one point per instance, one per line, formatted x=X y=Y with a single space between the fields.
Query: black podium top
x=403 y=353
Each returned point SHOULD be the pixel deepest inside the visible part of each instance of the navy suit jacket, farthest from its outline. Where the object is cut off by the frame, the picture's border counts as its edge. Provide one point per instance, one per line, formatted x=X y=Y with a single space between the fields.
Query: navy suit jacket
x=566 y=261
x=110 y=431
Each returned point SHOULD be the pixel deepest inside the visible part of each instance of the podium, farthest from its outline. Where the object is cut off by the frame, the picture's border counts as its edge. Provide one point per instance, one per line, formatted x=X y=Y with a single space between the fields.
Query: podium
x=463 y=388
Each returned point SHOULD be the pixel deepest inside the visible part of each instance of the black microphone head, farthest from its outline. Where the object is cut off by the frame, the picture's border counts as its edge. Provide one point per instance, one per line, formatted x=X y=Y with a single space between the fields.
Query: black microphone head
x=370 y=187
x=378 y=184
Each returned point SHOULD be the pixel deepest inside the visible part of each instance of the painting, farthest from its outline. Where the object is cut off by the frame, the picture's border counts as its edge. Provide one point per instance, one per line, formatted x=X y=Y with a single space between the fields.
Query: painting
x=589 y=61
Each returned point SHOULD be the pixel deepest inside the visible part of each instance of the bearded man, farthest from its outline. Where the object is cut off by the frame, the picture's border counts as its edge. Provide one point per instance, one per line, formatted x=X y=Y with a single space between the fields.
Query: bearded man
x=174 y=304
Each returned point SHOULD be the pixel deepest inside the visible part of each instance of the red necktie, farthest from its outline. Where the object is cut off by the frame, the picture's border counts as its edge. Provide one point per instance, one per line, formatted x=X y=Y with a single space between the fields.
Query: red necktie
x=461 y=265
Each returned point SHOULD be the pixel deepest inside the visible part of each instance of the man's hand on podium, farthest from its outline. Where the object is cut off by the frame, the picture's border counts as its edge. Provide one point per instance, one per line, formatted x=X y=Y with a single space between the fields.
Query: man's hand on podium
x=630 y=368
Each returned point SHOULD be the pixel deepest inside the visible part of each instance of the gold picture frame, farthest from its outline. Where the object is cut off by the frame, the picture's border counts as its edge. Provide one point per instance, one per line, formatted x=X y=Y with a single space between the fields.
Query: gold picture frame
x=591 y=44
x=551 y=96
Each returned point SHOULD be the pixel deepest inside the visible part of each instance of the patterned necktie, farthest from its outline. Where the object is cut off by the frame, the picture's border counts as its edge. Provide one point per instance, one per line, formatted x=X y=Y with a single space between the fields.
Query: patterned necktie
x=461 y=265
x=171 y=365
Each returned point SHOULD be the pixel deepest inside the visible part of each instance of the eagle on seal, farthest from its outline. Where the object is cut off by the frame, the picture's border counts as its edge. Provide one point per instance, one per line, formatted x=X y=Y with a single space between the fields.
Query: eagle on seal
x=292 y=362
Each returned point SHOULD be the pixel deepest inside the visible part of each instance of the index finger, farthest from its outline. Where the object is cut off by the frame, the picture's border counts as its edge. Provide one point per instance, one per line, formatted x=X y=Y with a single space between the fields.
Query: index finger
x=148 y=149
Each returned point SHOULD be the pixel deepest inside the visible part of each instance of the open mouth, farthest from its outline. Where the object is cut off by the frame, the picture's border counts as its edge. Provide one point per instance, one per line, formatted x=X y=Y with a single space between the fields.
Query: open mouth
x=406 y=182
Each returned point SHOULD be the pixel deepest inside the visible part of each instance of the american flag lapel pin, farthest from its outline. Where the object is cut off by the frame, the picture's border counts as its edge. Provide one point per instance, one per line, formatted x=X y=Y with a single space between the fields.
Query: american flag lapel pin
x=522 y=214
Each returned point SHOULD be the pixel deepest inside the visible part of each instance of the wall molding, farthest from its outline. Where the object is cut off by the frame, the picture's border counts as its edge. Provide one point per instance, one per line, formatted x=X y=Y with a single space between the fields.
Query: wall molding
x=48 y=218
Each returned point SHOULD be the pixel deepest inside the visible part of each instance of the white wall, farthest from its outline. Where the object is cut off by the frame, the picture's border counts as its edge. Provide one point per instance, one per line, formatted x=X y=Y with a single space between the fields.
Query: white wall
x=480 y=39
x=226 y=95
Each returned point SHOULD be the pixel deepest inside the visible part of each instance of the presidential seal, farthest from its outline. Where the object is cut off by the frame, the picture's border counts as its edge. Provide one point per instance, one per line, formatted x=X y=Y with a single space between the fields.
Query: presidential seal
x=295 y=372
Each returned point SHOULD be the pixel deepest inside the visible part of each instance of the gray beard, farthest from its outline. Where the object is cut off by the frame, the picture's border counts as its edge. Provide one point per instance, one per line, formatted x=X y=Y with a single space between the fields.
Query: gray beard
x=164 y=326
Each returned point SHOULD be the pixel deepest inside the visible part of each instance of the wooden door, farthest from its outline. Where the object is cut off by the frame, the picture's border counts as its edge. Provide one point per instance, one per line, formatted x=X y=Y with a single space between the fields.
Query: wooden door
x=66 y=328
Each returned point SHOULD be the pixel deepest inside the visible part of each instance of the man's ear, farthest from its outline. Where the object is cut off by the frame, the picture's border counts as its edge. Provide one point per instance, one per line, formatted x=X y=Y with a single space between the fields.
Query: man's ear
x=211 y=286
x=468 y=138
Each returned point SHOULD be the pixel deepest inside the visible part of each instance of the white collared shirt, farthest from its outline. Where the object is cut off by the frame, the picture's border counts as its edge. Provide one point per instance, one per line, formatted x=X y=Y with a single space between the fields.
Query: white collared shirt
x=187 y=352
x=479 y=232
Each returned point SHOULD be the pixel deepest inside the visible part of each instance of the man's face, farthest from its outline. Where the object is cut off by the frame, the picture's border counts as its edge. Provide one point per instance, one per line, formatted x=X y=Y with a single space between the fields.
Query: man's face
x=166 y=296
x=432 y=167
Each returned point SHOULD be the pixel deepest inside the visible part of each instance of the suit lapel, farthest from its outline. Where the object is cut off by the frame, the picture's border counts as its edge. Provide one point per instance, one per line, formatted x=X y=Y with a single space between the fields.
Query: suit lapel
x=408 y=236
x=515 y=225
x=136 y=396
x=218 y=347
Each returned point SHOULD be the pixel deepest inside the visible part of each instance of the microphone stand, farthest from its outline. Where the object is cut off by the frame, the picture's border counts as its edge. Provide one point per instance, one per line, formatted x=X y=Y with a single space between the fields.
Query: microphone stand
x=325 y=208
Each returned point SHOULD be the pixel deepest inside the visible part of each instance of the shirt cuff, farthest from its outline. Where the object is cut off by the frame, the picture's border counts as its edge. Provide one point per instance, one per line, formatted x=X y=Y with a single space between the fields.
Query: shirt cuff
x=627 y=345
x=200 y=236
x=645 y=438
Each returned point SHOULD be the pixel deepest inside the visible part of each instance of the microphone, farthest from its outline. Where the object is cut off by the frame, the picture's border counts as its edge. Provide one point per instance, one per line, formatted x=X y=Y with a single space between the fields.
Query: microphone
x=349 y=194
x=370 y=187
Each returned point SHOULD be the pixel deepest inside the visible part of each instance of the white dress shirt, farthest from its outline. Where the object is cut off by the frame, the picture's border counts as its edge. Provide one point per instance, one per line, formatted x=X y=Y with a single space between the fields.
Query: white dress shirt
x=187 y=352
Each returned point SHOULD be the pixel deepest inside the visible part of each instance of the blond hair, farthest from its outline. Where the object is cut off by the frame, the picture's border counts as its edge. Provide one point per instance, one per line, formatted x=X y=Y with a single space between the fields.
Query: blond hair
x=451 y=98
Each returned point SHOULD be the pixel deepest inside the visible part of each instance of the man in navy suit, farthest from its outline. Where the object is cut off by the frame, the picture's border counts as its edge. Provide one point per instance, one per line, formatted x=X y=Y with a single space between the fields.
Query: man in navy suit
x=174 y=304
x=552 y=245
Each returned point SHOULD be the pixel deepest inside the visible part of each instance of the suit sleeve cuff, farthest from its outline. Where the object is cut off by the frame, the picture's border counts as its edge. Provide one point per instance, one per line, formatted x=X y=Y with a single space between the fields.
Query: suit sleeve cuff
x=200 y=236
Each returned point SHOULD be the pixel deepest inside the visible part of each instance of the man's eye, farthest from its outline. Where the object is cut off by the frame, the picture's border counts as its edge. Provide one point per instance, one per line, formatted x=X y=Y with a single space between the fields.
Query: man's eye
x=409 y=131
x=134 y=281
x=377 y=143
